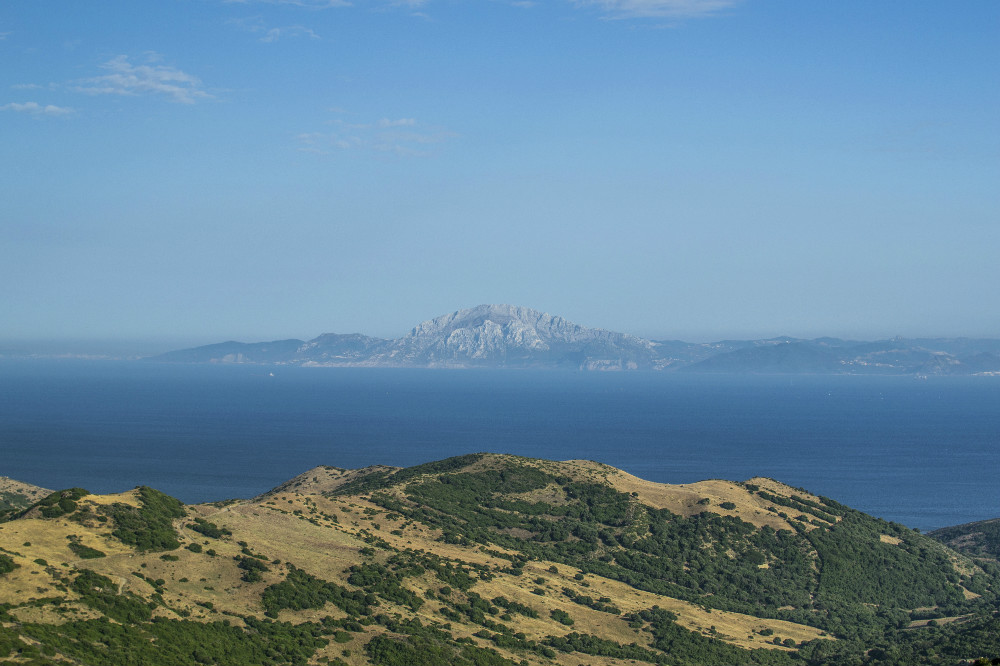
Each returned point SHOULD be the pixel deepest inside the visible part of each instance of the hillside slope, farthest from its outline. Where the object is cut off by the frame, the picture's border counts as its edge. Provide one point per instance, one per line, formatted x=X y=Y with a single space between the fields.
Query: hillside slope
x=484 y=559
x=15 y=495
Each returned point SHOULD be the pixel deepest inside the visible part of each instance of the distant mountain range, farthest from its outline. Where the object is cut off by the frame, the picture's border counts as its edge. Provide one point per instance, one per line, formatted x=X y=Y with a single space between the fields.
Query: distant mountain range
x=507 y=336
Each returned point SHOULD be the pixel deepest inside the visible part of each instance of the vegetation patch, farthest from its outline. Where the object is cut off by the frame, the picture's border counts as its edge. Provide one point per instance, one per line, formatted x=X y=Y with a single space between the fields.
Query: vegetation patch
x=211 y=530
x=148 y=527
x=253 y=569
x=301 y=590
x=427 y=646
x=85 y=552
x=164 y=642
x=100 y=593
x=60 y=503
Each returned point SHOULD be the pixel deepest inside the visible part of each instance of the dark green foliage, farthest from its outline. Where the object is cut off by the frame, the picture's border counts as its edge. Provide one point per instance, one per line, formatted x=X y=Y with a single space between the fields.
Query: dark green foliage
x=672 y=644
x=385 y=582
x=301 y=590
x=859 y=568
x=595 y=645
x=379 y=480
x=561 y=616
x=515 y=607
x=7 y=564
x=474 y=608
x=253 y=569
x=947 y=645
x=426 y=646
x=211 y=530
x=149 y=527
x=181 y=643
x=9 y=641
x=603 y=604
x=61 y=502
x=800 y=504
x=85 y=552
x=101 y=594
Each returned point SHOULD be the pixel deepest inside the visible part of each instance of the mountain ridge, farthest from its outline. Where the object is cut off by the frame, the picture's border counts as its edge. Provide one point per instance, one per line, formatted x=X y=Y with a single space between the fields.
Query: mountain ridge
x=485 y=560
x=508 y=336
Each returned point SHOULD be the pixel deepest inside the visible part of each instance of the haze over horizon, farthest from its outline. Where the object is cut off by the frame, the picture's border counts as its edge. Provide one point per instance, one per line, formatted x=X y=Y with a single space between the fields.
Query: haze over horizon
x=205 y=170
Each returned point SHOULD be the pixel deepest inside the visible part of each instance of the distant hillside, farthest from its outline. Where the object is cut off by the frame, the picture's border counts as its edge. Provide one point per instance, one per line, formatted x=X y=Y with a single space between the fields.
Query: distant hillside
x=507 y=336
x=485 y=560
x=980 y=540
x=16 y=496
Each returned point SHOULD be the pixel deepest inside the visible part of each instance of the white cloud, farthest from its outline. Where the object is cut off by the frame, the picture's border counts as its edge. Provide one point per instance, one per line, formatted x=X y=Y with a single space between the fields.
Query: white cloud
x=4 y=35
x=36 y=109
x=658 y=8
x=124 y=78
x=401 y=122
x=384 y=136
x=256 y=24
x=274 y=34
x=26 y=86
x=311 y=4
x=675 y=9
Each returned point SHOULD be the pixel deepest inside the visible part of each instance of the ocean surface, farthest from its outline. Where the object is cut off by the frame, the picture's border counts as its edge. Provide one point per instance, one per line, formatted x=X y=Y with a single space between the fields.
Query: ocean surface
x=925 y=453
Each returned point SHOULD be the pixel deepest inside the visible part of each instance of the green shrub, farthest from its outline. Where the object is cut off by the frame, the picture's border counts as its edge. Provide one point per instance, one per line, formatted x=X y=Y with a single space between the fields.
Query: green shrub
x=150 y=526
x=86 y=552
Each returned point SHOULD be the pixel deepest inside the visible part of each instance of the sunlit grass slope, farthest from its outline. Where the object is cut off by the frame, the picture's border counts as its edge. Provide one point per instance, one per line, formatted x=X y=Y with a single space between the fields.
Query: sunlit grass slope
x=483 y=560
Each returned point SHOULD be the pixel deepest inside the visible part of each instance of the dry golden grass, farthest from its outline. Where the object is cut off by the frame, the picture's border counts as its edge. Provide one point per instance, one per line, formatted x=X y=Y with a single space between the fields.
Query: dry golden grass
x=323 y=479
x=130 y=497
x=33 y=493
x=322 y=535
x=731 y=627
x=683 y=499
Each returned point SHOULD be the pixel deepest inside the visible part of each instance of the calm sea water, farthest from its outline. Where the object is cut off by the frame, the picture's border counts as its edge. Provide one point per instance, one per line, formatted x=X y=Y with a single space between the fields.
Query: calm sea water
x=922 y=453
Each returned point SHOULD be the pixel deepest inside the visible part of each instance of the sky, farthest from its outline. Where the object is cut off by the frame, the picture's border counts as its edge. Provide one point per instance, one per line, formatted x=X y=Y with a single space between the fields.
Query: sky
x=678 y=169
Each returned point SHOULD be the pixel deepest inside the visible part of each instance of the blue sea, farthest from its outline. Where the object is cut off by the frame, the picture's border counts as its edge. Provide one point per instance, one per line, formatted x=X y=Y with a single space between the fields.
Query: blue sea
x=925 y=453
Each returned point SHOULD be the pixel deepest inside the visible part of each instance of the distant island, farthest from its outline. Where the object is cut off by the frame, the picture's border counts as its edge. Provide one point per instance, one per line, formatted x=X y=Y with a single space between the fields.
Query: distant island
x=508 y=336
x=487 y=560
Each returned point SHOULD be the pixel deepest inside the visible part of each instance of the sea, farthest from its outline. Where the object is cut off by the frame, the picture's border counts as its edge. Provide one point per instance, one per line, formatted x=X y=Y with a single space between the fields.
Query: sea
x=924 y=452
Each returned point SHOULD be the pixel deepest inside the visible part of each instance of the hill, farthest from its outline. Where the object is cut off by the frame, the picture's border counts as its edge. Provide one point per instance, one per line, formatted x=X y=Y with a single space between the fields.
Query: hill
x=484 y=560
x=508 y=336
x=979 y=540
x=15 y=495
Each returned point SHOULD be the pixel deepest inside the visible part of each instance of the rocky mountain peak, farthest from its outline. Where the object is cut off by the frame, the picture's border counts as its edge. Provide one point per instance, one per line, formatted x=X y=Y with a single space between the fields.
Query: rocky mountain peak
x=496 y=317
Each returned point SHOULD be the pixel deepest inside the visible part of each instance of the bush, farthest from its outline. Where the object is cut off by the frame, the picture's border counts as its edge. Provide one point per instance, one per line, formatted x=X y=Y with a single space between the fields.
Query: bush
x=85 y=552
x=149 y=527
x=252 y=569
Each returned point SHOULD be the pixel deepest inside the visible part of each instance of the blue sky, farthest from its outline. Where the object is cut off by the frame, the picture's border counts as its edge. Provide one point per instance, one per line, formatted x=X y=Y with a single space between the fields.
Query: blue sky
x=693 y=169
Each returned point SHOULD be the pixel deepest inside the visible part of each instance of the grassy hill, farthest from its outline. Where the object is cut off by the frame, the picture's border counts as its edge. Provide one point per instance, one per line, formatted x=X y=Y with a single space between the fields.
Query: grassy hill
x=484 y=560
x=16 y=496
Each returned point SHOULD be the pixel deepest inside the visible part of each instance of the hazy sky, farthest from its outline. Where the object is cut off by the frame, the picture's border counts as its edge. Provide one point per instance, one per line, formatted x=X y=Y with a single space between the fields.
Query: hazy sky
x=691 y=169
